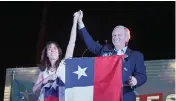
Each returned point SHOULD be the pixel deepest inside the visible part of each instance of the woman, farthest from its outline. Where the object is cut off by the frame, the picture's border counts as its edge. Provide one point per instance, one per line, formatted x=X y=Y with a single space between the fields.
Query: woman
x=52 y=65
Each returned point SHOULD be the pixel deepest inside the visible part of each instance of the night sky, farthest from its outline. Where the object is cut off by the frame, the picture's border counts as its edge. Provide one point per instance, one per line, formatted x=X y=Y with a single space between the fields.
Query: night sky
x=152 y=26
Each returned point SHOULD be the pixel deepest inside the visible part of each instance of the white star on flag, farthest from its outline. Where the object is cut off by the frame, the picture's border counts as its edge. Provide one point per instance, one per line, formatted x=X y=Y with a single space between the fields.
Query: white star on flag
x=25 y=95
x=80 y=72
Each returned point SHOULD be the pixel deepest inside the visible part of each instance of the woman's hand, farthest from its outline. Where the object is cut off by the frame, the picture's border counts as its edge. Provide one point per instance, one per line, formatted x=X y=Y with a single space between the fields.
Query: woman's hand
x=76 y=16
x=50 y=77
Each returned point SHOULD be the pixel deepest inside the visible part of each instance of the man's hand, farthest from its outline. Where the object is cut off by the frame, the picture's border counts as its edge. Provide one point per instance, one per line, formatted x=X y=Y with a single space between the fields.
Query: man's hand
x=132 y=81
x=80 y=17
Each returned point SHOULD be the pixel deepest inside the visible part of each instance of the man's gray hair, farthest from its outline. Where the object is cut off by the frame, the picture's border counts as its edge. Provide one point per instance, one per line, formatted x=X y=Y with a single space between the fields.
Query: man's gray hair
x=127 y=31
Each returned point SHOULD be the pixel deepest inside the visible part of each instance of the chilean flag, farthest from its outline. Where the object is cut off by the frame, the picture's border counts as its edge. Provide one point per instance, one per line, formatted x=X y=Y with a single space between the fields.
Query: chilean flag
x=51 y=94
x=54 y=91
x=93 y=79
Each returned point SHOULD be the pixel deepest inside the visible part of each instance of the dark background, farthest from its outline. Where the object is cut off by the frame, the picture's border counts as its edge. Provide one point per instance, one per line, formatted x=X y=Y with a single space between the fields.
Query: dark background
x=152 y=26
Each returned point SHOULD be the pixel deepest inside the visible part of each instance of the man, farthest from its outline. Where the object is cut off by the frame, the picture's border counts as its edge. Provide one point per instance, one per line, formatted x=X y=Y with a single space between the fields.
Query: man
x=134 y=70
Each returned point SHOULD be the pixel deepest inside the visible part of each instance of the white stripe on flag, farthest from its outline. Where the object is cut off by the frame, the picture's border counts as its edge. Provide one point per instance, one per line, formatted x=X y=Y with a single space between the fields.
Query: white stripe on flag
x=79 y=94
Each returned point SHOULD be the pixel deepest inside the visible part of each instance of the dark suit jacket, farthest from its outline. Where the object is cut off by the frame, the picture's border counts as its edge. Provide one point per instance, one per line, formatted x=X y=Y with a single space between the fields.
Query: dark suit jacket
x=133 y=65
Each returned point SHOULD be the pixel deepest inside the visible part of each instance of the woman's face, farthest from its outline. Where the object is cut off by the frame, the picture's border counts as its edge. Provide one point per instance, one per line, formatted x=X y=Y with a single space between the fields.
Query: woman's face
x=52 y=52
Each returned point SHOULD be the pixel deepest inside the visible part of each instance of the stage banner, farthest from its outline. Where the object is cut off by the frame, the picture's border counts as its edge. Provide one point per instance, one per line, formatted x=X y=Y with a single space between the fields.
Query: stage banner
x=19 y=83
x=160 y=85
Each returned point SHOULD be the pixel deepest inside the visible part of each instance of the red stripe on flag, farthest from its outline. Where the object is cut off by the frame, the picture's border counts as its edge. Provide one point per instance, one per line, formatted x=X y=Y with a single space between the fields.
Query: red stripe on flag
x=51 y=98
x=108 y=78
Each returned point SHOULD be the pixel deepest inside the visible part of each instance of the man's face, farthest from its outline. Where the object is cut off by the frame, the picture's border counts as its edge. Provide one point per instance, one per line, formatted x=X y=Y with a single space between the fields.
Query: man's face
x=119 y=38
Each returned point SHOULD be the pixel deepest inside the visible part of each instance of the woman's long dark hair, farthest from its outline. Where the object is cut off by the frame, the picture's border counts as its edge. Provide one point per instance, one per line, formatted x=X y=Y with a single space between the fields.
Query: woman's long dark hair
x=45 y=63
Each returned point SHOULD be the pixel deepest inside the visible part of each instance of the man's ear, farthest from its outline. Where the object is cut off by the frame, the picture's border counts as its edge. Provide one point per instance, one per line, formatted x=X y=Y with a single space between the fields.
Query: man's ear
x=126 y=38
x=127 y=35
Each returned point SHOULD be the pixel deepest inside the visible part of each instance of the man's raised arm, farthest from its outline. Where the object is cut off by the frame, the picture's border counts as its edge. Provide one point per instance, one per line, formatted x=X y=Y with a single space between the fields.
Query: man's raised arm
x=90 y=43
